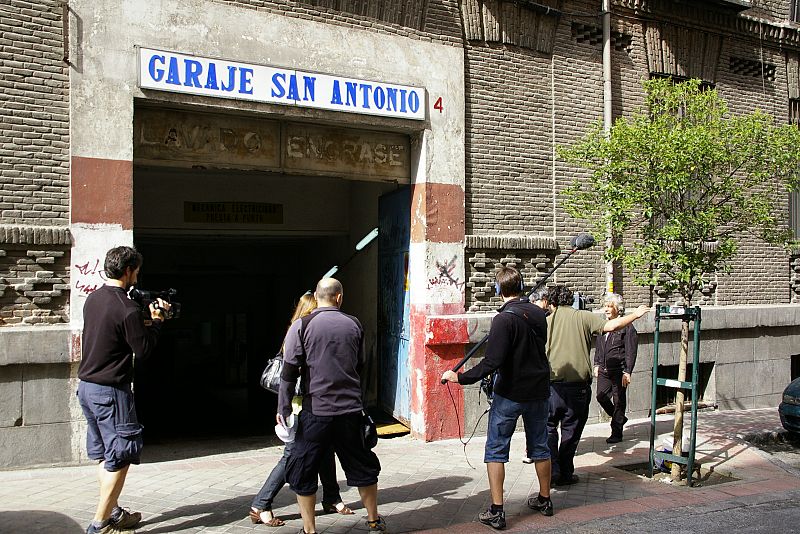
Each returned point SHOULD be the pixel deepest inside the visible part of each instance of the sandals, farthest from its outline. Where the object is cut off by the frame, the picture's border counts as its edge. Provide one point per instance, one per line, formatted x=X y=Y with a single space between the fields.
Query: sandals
x=257 y=517
x=338 y=508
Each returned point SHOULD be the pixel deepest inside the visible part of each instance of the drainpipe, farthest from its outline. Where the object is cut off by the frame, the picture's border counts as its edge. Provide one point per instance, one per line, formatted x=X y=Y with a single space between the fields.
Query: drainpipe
x=607 y=118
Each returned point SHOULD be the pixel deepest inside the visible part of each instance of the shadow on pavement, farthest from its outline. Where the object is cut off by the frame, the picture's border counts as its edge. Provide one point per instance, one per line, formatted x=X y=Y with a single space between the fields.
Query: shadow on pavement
x=228 y=511
x=38 y=521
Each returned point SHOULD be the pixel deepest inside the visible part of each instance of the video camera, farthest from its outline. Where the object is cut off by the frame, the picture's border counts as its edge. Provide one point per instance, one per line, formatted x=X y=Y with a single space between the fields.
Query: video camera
x=581 y=302
x=143 y=298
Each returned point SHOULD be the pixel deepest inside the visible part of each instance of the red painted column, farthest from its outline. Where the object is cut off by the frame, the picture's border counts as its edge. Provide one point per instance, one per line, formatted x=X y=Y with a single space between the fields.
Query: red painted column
x=437 y=231
x=102 y=191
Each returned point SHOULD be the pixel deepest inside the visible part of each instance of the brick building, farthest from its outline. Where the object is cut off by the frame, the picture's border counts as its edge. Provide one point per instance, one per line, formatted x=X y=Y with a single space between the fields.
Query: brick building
x=246 y=147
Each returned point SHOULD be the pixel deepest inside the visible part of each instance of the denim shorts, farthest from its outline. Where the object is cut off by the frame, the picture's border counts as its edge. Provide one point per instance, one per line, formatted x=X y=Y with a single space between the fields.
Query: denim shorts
x=503 y=417
x=113 y=432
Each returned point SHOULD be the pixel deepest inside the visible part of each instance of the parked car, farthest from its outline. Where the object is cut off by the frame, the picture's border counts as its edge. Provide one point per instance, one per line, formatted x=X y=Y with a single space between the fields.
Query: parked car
x=789 y=409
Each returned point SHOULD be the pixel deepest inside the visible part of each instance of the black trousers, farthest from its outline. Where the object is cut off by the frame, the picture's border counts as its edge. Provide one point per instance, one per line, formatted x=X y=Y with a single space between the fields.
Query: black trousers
x=316 y=435
x=569 y=409
x=613 y=398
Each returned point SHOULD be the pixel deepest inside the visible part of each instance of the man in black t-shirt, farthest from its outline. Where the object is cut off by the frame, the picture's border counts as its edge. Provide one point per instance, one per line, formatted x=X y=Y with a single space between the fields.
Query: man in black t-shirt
x=522 y=386
x=114 y=334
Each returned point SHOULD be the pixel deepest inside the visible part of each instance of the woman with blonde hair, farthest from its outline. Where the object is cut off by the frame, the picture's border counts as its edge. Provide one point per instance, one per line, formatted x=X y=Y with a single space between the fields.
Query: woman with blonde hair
x=261 y=507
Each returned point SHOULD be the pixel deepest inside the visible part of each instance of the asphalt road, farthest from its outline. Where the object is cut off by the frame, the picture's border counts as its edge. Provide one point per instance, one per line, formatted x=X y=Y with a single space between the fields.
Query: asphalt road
x=759 y=513
x=771 y=513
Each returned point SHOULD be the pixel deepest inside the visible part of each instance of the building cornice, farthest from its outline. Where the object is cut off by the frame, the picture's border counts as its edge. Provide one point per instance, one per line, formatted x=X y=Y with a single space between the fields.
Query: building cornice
x=709 y=17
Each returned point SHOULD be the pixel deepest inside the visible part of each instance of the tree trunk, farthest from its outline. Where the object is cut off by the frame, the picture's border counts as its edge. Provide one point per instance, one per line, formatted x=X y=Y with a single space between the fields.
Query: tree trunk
x=677 y=433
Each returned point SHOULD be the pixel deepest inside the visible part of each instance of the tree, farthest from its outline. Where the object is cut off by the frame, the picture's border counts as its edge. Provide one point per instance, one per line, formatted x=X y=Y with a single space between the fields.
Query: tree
x=683 y=180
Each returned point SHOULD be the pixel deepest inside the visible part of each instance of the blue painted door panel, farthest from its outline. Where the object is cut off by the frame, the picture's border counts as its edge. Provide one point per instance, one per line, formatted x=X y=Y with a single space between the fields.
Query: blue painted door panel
x=394 y=221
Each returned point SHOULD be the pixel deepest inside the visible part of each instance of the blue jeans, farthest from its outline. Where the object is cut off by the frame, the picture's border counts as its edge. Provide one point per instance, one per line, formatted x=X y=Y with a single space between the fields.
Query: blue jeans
x=503 y=416
x=277 y=478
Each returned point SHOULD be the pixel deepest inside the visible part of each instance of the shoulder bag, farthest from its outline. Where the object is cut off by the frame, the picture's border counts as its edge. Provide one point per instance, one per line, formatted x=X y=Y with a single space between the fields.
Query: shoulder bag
x=271 y=376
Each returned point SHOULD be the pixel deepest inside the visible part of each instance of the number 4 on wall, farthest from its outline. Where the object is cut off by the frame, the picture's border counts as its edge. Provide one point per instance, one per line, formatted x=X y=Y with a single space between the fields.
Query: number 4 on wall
x=438 y=104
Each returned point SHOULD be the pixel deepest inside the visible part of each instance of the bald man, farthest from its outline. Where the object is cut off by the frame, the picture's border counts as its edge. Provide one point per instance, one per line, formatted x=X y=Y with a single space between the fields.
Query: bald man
x=330 y=356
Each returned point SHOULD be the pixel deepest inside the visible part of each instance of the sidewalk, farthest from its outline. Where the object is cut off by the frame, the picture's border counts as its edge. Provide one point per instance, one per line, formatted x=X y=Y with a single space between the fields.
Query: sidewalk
x=423 y=486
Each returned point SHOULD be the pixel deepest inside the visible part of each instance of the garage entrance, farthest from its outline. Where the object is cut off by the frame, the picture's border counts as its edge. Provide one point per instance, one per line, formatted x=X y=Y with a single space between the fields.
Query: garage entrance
x=241 y=244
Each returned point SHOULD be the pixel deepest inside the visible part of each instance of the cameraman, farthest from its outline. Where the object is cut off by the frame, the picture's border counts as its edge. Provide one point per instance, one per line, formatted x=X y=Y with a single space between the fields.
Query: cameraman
x=114 y=334
x=569 y=338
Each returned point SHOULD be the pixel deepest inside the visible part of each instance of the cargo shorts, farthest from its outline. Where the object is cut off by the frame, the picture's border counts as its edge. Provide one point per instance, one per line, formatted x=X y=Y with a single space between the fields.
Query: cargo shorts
x=113 y=432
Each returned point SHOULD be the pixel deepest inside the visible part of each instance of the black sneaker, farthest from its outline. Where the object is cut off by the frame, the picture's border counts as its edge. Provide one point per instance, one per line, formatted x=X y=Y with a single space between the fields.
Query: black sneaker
x=493 y=519
x=124 y=519
x=545 y=508
x=614 y=439
x=108 y=529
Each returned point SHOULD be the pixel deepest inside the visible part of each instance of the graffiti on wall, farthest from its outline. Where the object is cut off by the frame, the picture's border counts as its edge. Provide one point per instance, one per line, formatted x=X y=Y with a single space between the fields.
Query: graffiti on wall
x=90 y=276
x=446 y=275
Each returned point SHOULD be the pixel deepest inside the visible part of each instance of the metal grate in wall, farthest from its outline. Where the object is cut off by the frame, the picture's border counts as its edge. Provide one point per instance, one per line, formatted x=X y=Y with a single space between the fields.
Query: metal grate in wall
x=794 y=111
x=750 y=67
x=592 y=35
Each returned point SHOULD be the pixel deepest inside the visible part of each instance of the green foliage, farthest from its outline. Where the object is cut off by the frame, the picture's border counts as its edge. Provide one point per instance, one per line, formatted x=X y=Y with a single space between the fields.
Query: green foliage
x=683 y=179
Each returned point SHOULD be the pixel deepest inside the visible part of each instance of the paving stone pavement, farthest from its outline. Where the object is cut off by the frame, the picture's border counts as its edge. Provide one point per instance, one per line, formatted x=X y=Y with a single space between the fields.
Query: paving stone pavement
x=207 y=487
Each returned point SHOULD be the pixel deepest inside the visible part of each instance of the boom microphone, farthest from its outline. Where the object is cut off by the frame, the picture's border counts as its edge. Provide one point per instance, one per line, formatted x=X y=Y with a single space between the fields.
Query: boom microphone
x=582 y=242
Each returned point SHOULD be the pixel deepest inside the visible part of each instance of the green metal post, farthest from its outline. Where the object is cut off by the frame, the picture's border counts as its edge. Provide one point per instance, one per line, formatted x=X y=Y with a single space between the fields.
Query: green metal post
x=695 y=384
x=655 y=377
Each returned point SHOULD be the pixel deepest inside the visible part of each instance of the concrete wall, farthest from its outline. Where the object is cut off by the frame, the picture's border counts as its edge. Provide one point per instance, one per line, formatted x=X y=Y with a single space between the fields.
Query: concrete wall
x=37 y=397
x=750 y=348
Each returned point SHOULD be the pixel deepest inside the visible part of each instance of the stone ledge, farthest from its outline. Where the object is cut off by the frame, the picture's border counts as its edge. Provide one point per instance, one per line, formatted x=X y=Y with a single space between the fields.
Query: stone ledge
x=519 y=242
x=713 y=318
x=35 y=345
x=34 y=235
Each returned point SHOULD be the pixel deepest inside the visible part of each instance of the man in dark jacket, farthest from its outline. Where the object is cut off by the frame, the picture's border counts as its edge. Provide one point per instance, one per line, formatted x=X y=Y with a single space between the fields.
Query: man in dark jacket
x=614 y=358
x=114 y=334
x=516 y=351
x=328 y=351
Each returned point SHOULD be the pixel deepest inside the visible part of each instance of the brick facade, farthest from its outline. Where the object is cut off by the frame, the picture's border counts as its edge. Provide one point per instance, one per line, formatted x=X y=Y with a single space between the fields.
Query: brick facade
x=416 y=19
x=34 y=115
x=550 y=98
x=34 y=164
x=34 y=285
x=486 y=187
x=548 y=64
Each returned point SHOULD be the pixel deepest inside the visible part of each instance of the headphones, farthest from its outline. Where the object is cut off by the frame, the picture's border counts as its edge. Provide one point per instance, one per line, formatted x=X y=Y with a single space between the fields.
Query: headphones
x=497 y=291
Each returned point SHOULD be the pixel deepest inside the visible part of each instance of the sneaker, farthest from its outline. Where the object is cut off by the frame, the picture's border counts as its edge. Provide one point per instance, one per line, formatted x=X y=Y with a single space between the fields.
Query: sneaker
x=545 y=508
x=493 y=519
x=123 y=519
x=379 y=525
x=614 y=439
x=109 y=529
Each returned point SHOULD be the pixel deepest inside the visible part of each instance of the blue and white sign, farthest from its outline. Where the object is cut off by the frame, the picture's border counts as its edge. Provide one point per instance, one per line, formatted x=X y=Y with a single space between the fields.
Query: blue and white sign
x=181 y=73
